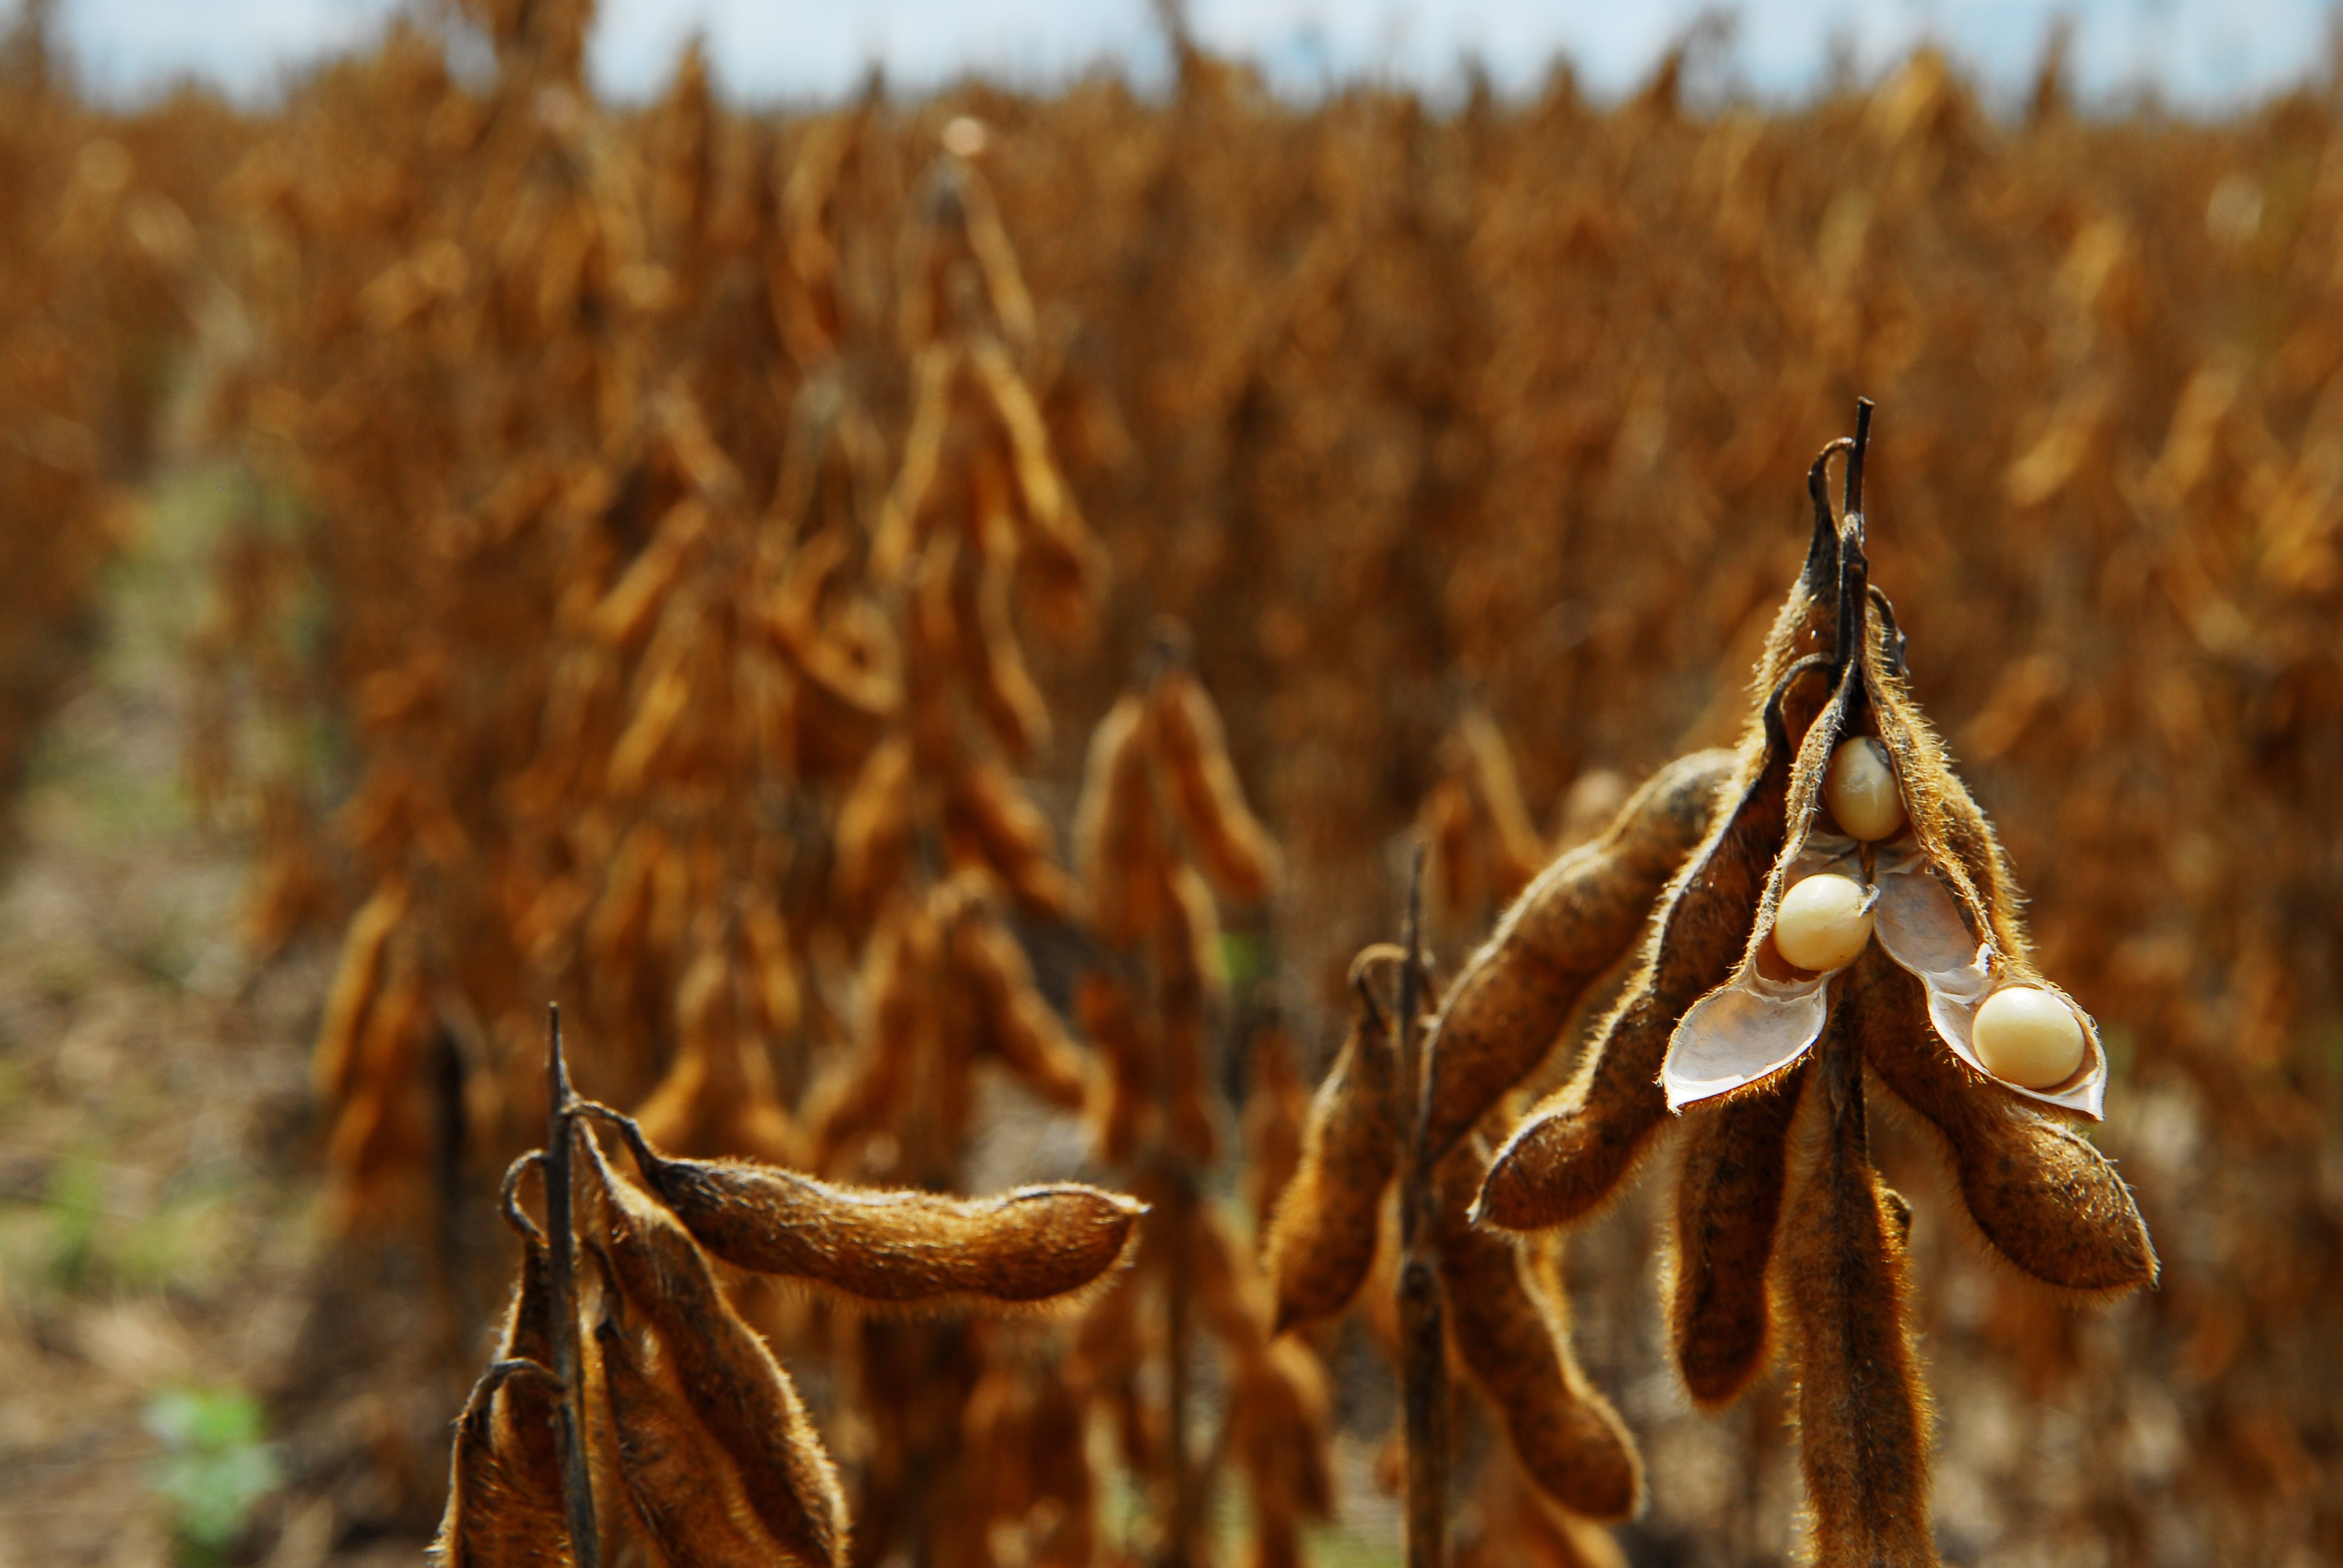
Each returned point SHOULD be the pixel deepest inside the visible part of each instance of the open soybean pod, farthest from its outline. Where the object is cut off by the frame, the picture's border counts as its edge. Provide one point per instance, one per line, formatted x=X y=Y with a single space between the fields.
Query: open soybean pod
x=1577 y=919
x=2046 y=1199
x=1322 y=1240
x=703 y=1393
x=1930 y=888
x=1577 y=1146
x=1037 y=1247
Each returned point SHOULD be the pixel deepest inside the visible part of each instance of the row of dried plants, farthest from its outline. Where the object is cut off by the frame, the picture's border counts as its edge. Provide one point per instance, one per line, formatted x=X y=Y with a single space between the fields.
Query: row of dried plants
x=711 y=516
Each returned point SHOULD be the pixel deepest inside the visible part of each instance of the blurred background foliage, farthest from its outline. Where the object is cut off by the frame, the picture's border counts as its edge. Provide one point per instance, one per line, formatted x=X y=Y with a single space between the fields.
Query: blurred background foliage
x=333 y=435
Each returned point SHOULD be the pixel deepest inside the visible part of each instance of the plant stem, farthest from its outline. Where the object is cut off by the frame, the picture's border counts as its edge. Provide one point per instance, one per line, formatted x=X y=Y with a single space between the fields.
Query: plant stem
x=1424 y=1339
x=568 y=1428
x=1179 y=1545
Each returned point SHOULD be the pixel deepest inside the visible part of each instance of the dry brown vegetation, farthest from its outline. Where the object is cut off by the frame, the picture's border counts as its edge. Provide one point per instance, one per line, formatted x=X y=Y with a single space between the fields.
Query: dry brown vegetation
x=926 y=627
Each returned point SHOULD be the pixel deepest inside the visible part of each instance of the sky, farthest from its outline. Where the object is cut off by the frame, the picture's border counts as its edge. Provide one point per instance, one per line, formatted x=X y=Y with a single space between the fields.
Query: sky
x=2199 y=55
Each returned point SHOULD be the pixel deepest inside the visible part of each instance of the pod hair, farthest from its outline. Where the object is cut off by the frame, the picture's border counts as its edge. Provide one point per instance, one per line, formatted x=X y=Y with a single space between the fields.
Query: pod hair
x=1573 y=921
x=1322 y=1240
x=1044 y=1247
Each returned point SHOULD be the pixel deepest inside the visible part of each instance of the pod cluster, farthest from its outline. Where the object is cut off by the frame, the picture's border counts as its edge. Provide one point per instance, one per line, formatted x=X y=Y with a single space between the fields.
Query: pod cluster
x=688 y=1436
x=1846 y=919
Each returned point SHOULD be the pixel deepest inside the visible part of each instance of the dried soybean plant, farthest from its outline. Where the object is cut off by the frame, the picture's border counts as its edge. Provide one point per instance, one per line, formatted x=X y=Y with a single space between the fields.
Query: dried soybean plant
x=1848 y=910
x=1441 y=371
x=631 y=1411
x=63 y=188
x=1162 y=823
x=940 y=854
x=1392 y=1112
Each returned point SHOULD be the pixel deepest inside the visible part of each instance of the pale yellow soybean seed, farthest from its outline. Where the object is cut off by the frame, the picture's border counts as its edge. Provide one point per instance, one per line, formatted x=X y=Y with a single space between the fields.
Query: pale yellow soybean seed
x=2027 y=1036
x=1860 y=790
x=1823 y=923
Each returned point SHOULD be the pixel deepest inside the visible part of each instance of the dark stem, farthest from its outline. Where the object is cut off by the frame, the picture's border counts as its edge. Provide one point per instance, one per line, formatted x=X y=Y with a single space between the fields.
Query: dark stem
x=1777 y=733
x=1853 y=564
x=1424 y=1338
x=1842 y=1084
x=1851 y=500
x=1821 y=554
x=561 y=1256
x=1179 y=1546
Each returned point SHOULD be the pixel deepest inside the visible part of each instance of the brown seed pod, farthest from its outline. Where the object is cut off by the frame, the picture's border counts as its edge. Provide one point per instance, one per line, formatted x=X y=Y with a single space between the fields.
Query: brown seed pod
x=1728 y=1206
x=1508 y=1324
x=934 y=368
x=1230 y=1291
x=684 y=1489
x=1276 y=1110
x=1862 y=1413
x=1522 y=1527
x=1235 y=849
x=1516 y=850
x=1014 y=1023
x=1579 y=1144
x=2043 y=1196
x=523 y=1416
x=1035 y=1247
x=874 y=829
x=991 y=824
x=718 y=1094
x=1007 y=698
x=1508 y=1008
x=624 y=617
x=899 y=976
x=1025 y=1433
x=381 y=1129
x=1281 y=1409
x=1063 y=550
x=1117 y=831
x=851 y=666
x=1322 y=1241
x=1446 y=821
x=504 y=1489
x=774 y=985
x=728 y=1379
x=1122 y=1098
x=617 y=929
x=502 y=1512
x=357 y=980
x=1187 y=977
